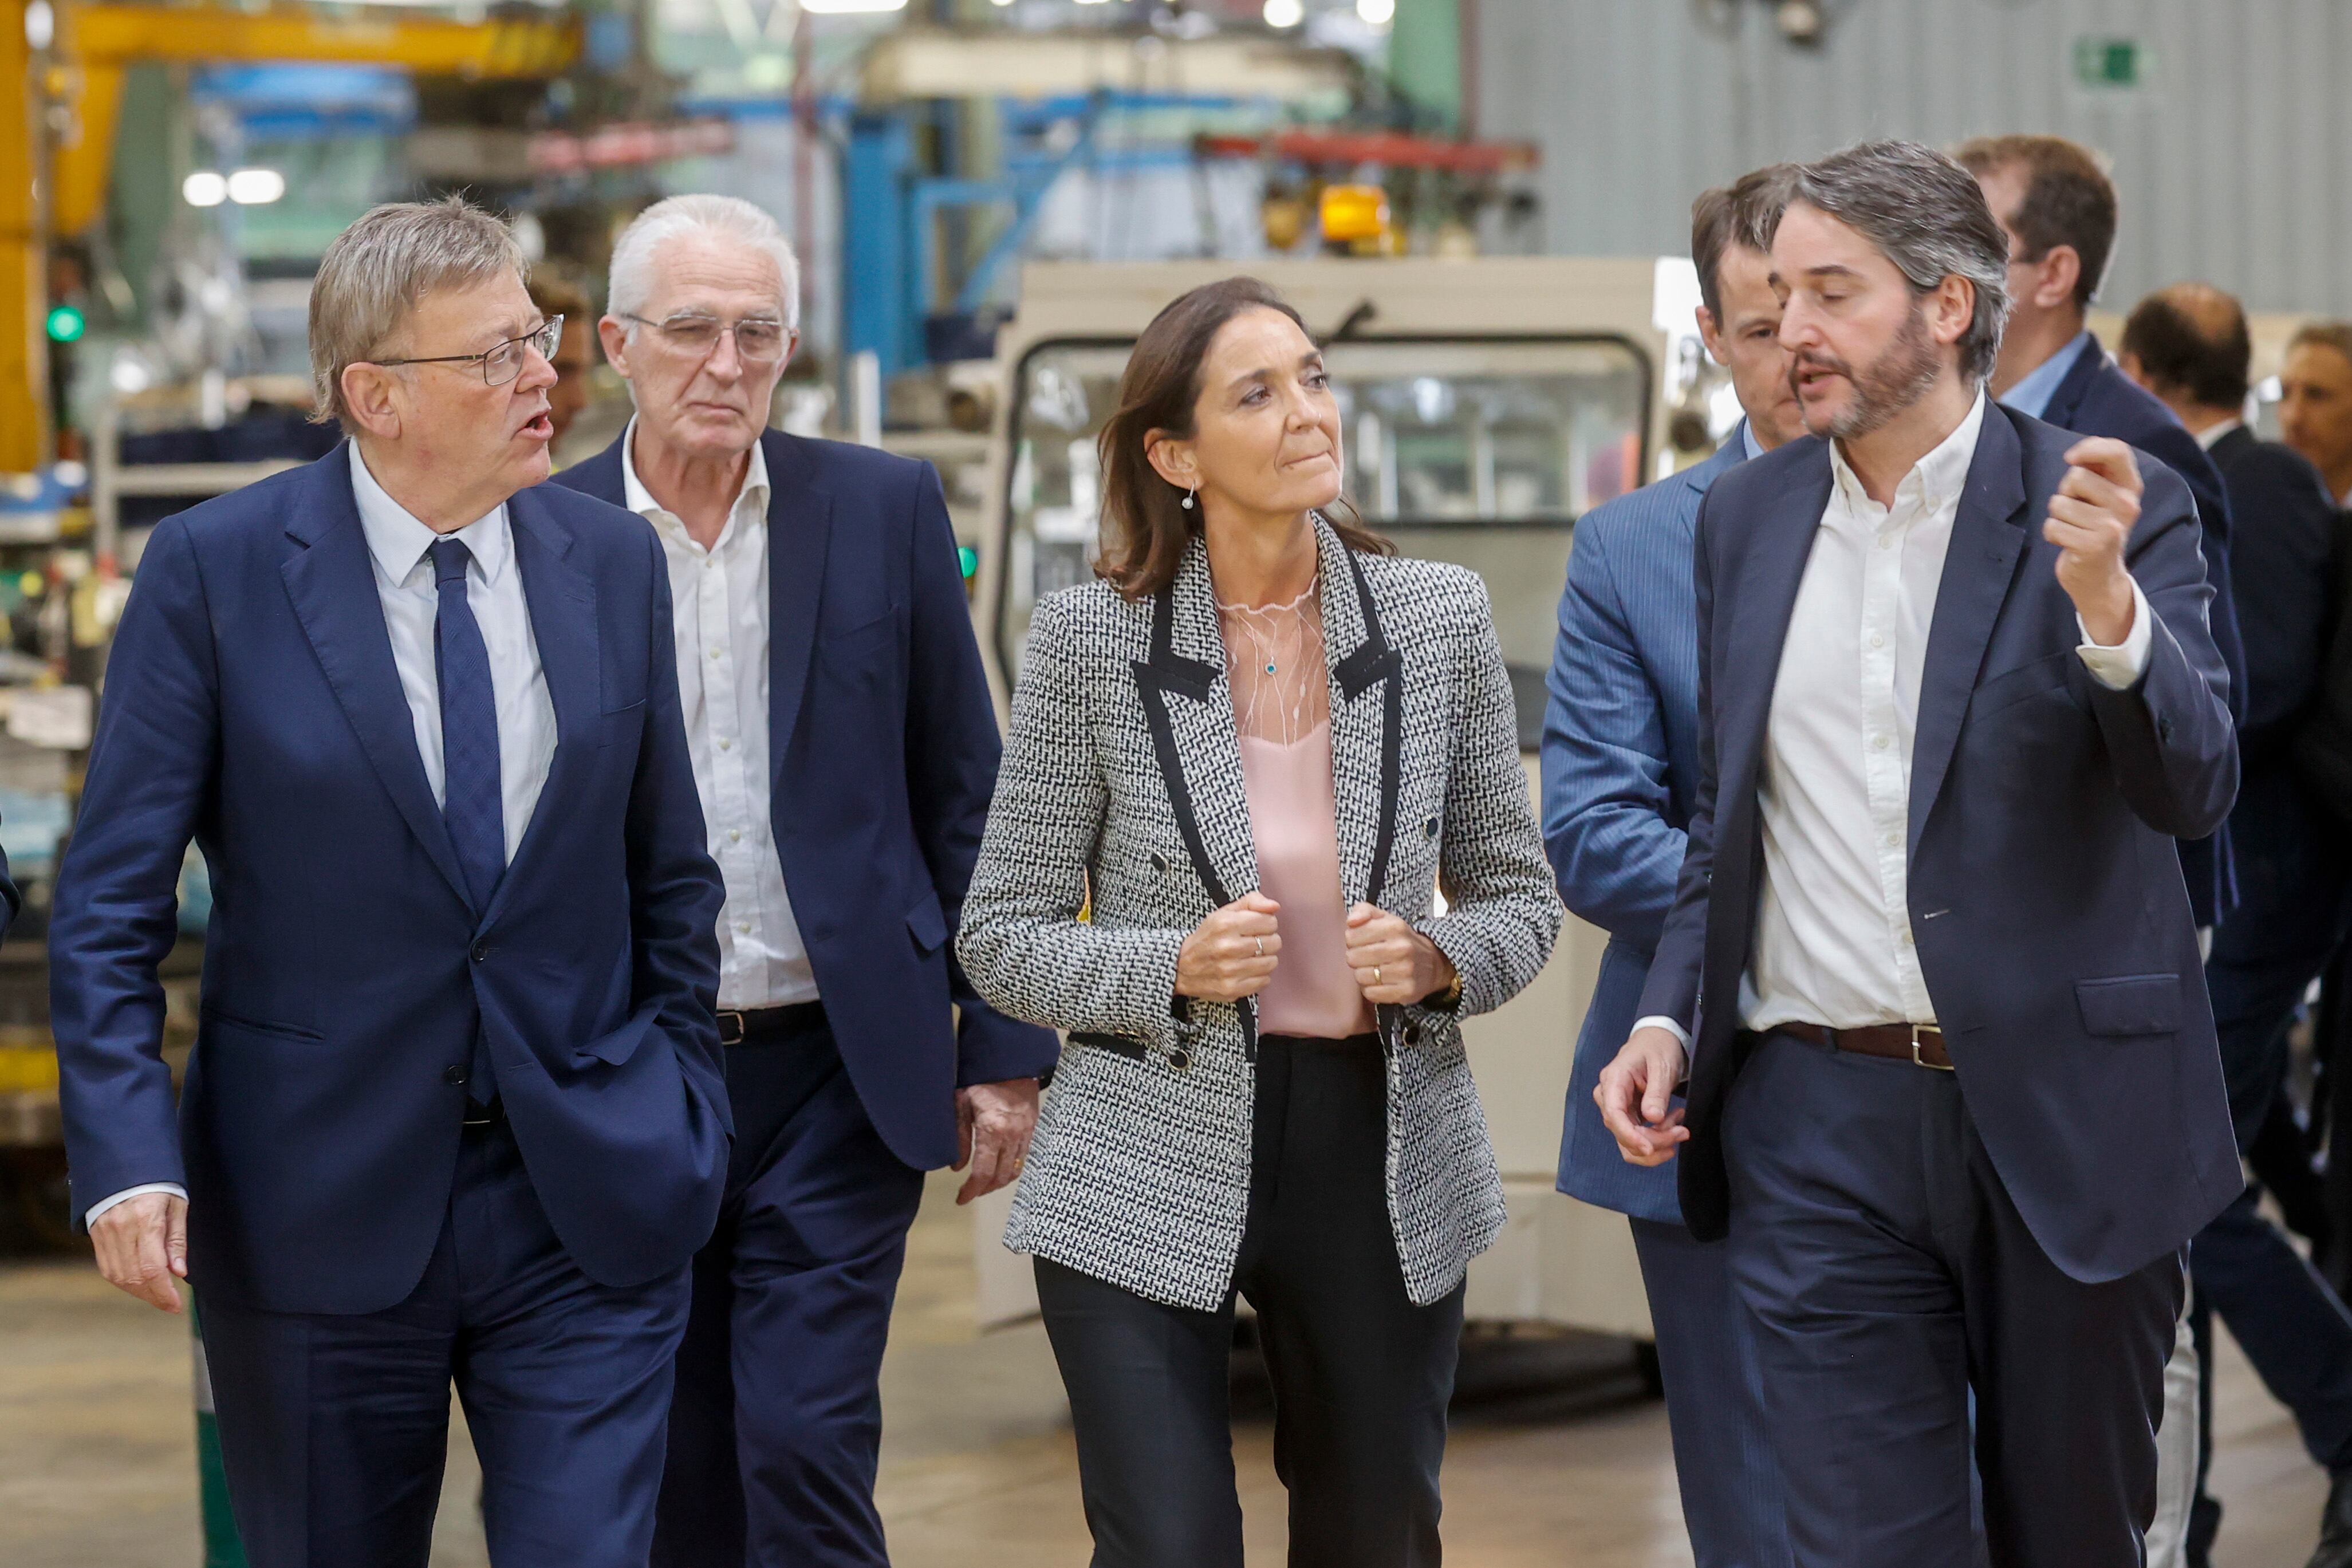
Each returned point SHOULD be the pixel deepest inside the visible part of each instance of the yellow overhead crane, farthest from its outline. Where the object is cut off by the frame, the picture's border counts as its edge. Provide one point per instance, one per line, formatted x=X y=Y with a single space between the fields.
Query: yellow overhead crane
x=61 y=68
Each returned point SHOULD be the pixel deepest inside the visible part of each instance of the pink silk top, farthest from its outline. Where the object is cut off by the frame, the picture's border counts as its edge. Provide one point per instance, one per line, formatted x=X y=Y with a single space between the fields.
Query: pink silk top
x=1293 y=818
x=1282 y=707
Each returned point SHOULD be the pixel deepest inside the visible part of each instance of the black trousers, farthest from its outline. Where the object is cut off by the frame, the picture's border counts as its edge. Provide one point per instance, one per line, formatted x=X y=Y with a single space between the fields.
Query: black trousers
x=1892 y=1278
x=1362 y=1376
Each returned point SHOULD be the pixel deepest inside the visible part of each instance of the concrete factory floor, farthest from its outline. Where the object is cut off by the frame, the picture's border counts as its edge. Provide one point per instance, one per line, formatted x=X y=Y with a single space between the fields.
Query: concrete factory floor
x=1556 y=1459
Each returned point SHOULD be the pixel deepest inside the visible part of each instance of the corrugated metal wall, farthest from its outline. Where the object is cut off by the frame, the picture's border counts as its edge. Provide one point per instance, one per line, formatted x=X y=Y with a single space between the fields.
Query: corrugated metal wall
x=2234 y=156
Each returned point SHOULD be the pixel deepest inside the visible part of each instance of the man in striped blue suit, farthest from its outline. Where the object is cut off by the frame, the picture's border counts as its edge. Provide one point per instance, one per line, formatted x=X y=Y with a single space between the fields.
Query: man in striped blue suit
x=1620 y=772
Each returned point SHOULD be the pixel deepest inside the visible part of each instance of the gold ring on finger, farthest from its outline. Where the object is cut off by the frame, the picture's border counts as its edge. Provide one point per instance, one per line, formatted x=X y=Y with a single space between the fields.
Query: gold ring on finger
x=1376 y=975
x=1261 y=947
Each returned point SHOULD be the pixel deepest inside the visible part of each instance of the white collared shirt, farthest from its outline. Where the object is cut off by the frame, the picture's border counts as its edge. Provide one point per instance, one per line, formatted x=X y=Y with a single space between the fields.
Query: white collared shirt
x=2211 y=437
x=720 y=605
x=411 y=597
x=1832 y=940
x=404 y=583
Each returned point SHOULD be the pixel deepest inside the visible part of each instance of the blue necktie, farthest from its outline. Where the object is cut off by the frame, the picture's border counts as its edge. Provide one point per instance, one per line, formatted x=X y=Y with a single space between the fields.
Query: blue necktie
x=472 y=804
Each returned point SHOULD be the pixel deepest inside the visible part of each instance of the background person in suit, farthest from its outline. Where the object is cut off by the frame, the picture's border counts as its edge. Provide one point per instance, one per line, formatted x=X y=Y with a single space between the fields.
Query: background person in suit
x=1931 y=966
x=455 y=1109
x=1259 y=742
x=2316 y=402
x=1620 y=777
x=845 y=747
x=2188 y=345
x=2058 y=209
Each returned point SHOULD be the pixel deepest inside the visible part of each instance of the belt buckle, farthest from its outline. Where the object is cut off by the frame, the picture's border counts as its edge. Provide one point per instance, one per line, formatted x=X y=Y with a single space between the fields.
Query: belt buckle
x=724 y=1038
x=1918 y=1060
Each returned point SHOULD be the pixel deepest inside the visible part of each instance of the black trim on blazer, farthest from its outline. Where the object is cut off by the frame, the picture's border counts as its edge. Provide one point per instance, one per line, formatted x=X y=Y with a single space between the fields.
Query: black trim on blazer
x=1375 y=660
x=1155 y=678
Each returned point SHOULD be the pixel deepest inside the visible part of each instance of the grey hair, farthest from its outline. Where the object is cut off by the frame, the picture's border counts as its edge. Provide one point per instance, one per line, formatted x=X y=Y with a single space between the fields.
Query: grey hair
x=729 y=217
x=1926 y=214
x=375 y=272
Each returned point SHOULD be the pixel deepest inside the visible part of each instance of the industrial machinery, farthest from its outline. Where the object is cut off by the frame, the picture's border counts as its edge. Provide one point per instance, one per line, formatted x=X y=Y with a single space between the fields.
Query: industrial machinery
x=1486 y=404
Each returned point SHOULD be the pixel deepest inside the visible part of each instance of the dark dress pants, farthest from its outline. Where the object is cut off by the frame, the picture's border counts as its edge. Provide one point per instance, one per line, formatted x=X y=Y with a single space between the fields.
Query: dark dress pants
x=1731 y=1479
x=776 y=1430
x=1362 y=1376
x=335 y=1430
x=1891 y=1277
x=2289 y=920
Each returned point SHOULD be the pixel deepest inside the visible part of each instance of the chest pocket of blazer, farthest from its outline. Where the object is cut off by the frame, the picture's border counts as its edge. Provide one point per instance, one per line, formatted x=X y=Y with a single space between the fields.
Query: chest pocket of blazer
x=622 y=726
x=857 y=646
x=2051 y=676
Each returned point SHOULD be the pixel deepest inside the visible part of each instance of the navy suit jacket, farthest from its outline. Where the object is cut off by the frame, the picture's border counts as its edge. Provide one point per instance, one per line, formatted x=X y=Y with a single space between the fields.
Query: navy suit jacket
x=252 y=704
x=2284 y=528
x=2053 y=927
x=2094 y=398
x=1620 y=778
x=883 y=745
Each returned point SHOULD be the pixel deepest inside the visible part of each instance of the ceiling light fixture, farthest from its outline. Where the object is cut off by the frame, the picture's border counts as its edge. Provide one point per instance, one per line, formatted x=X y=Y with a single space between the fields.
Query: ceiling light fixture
x=204 y=188
x=1285 y=13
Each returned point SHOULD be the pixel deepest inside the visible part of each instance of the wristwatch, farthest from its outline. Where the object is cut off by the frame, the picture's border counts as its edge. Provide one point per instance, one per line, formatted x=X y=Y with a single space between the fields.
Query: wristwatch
x=1447 y=1000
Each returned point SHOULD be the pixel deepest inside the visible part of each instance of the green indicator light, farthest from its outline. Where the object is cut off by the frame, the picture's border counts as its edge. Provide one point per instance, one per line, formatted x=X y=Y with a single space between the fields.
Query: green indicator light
x=970 y=560
x=67 y=325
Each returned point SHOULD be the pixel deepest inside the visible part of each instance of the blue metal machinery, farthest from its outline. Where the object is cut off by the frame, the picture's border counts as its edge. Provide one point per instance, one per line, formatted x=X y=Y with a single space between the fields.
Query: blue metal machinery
x=891 y=206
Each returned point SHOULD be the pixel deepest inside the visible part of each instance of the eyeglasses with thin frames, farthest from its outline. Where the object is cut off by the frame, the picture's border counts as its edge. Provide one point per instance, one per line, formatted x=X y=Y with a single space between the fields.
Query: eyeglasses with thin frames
x=759 y=340
x=503 y=362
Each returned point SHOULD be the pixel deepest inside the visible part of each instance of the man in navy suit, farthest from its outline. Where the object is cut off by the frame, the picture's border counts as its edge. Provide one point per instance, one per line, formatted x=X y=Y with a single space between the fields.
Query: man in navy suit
x=2188 y=345
x=2058 y=209
x=846 y=749
x=1620 y=774
x=455 y=1108
x=1931 y=965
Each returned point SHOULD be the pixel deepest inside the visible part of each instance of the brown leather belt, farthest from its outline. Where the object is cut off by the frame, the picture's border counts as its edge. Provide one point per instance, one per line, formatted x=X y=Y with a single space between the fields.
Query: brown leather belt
x=1922 y=1044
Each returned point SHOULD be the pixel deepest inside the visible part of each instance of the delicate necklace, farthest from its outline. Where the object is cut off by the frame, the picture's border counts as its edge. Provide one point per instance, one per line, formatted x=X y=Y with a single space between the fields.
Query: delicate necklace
x=1247 y=616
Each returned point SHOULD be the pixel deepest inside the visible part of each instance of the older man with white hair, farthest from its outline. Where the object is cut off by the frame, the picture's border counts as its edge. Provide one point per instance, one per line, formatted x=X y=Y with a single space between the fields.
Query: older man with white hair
x=455 y=1110
x=846 y=749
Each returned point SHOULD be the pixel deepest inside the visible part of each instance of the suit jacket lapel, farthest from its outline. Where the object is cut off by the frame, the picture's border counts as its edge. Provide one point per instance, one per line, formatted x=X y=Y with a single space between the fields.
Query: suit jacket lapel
x=1759 y=598
x=1189 y=705
x=1367 y=717
x=800 y=533
x=332 y=585
x=562 y=603
x=1988 y=538
x=2066 y=398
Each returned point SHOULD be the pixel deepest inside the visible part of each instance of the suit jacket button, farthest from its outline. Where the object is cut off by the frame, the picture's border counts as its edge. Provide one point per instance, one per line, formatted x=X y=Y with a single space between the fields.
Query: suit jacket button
x=455 y=1077
x=1413 y=1034
x=1179 y=1060
x=1160 y=864
x=481 y=952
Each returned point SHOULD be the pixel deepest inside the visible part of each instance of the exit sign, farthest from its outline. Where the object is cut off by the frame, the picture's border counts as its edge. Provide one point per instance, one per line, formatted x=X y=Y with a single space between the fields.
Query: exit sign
x=2110 y=62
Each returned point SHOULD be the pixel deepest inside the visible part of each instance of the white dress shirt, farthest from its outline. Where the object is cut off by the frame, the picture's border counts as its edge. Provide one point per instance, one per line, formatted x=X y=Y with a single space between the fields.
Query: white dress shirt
x=2212 y=435
x=406 y=586
x=1832 y=940
x=720 y=602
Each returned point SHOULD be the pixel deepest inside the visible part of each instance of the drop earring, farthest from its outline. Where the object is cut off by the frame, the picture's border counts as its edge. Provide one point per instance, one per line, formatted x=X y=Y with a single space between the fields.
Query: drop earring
x=1188 y=498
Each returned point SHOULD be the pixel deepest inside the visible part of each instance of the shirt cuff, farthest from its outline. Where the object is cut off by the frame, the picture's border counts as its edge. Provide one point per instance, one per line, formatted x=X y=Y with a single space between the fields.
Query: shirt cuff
x=127 y=1193
x=2119 y=669
x=1660 y=1021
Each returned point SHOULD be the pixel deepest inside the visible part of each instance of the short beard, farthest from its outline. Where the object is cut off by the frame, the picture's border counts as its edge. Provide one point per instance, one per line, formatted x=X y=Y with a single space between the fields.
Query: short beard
x=1892 y=382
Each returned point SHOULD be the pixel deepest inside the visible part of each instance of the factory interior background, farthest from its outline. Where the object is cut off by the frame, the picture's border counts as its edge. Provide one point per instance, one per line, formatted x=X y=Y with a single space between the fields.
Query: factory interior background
x=1482 y=206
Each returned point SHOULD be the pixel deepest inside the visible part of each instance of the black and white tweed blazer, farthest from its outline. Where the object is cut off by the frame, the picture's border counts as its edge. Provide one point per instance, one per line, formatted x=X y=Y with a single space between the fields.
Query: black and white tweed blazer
x=1122 y=777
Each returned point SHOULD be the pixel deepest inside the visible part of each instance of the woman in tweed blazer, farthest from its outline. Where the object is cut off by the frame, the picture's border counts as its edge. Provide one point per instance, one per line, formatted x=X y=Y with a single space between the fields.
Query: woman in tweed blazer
x=1333 y=1166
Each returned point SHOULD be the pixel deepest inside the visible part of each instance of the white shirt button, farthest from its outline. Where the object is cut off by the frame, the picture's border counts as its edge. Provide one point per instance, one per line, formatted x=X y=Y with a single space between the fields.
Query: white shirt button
x=729 y=745
x=744 y=927
x=1876 y=640
x=1877 y=742
x=1893 y=839
x=734 y=836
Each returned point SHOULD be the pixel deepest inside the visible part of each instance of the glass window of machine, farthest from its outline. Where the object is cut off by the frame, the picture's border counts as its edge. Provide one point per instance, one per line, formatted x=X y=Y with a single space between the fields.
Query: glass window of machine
x=1480 y=452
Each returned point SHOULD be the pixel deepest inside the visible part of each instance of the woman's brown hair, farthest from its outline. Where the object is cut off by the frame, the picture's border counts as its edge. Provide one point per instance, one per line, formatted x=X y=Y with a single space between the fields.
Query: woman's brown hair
x=1145 y=525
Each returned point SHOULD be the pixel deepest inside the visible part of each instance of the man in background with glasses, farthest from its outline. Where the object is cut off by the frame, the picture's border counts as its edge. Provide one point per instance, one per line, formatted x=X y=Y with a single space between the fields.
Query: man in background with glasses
x=455 y=1110
x=846 y=749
